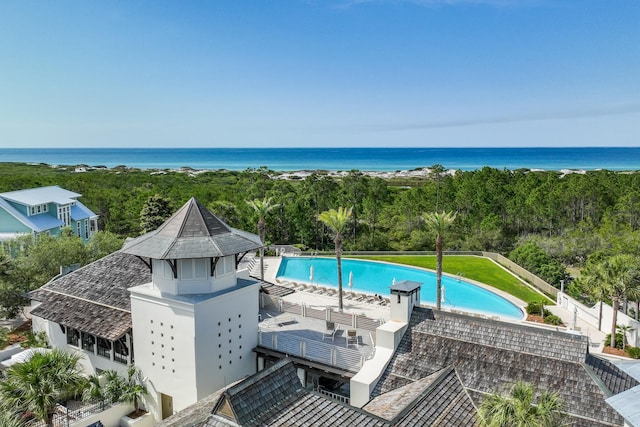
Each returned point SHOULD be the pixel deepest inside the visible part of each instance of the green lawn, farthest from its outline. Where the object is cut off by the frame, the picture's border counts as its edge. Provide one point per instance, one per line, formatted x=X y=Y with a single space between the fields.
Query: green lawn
x=471 y=267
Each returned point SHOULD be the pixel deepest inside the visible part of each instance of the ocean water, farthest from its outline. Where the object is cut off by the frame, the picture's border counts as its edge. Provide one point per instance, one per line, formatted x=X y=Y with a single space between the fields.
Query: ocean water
x=336 y=159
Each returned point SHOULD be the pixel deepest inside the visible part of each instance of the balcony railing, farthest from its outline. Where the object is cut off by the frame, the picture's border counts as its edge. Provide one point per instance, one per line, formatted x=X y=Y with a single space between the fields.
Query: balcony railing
x=339 y=357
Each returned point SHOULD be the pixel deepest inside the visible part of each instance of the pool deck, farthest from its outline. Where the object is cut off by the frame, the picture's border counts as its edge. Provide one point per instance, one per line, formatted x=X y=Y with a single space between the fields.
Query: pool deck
x=376 y=311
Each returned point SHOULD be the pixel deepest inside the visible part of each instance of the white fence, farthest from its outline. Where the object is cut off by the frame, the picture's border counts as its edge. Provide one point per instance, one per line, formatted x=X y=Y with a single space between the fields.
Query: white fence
x=590 y=315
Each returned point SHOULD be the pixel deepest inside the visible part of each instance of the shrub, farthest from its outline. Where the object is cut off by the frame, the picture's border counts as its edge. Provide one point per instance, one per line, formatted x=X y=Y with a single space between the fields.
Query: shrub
x=552 y=319
x=534 y=307
x=633 y=352
x=4 y=337
x=607 y=341
x=39 y=339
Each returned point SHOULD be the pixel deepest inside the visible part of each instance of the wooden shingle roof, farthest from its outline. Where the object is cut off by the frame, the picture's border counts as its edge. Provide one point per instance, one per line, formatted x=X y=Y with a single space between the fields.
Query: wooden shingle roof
x=275 y=397
x=94 y=298
x=192 y=232
x=488 y=364
x=439 y=399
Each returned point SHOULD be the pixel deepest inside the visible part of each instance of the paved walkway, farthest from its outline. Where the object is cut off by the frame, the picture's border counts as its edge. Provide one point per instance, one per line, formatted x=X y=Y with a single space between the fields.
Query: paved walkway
x=579 y=324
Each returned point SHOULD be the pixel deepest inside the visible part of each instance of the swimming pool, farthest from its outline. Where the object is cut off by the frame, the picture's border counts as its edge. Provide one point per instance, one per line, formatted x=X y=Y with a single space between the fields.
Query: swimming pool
x=376 y=277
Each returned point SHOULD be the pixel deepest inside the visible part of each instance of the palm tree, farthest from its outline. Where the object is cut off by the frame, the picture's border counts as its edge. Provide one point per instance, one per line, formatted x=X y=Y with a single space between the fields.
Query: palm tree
x=8 y=418
x=438 y=224
x=623 y=329
x=37 y=385
x=93 y=391
x=261 y=208
x=337 y=220
x=517 y=409
x=135 y=387
x=593 y=279
x=619 y=273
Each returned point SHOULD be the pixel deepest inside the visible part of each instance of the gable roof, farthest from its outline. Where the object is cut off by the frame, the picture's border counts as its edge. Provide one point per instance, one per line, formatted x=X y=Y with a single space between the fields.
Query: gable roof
x=489 y=355
x=275 y=397
x=193 y=232
x=247 y=401
x=436 y=400
x=41 y=195
x=94 y=298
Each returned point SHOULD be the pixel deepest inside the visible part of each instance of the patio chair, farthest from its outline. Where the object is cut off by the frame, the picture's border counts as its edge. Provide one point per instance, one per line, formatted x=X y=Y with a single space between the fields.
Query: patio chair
x=330 y=331
x=352 y=337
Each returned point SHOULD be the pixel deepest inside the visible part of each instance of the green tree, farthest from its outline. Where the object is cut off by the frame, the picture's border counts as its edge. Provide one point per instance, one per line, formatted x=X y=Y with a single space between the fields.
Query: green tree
x=134 y=388
x=37 y=385
x=103 y=243
x=155 y=211
x=261 y=209
x=12 y=298
x=437 y=170
x=438 y=224
x=618 y=273
x=531 y=257
x=517 y=408
x=593 y=280
x=337 y=221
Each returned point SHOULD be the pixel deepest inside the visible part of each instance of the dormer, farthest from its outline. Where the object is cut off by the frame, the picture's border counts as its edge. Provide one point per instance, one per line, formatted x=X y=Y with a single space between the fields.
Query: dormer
x=193 y=252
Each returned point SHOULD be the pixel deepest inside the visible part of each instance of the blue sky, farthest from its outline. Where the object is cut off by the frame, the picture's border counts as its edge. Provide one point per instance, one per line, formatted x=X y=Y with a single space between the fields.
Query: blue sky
x=428 y=73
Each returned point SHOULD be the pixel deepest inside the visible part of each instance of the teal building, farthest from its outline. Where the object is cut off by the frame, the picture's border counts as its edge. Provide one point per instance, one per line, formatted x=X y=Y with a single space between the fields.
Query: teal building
x=44 y=210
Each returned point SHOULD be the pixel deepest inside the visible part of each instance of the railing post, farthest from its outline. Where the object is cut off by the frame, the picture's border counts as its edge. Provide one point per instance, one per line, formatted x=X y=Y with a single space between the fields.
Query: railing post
x=274 y=341
x=303 y=348
x=354 y=321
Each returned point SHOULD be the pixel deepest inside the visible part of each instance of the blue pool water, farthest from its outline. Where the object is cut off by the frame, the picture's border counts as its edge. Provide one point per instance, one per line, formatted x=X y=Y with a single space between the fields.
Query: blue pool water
x=376 y=277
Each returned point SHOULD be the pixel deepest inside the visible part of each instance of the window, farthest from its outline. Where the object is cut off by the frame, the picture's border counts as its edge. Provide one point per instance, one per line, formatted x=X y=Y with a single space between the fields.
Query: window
x=193 y=268
x=161 y=268
x=225 y=266
x=120 y=350
x=64 y=214
x=79 y=228
x=104 y=348
x=88 y=342
x=73 y=337
x=86 y=228
x=38 y=209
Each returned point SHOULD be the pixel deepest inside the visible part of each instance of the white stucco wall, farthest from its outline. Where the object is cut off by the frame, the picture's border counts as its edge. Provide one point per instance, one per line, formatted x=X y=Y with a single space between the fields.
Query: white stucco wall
x=190 y=346
x=163 y=336
x=226 y=333
x=388 y=337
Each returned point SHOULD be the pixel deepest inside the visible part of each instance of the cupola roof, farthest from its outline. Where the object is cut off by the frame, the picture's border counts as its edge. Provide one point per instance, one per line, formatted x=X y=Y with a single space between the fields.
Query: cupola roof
x=192 y=232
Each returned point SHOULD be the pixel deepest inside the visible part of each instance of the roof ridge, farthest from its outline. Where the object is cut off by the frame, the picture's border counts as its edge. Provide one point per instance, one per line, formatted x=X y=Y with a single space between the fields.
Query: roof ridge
x=85 y=300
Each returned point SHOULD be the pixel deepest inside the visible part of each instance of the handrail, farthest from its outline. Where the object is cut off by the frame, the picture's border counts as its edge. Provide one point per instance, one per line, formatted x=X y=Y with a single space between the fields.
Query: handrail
x=343 y=358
